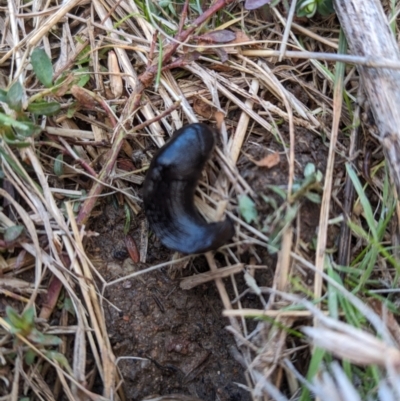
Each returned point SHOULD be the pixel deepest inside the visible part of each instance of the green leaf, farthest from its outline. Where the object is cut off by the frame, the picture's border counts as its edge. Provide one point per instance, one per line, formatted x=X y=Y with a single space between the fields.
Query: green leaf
x=29 y=316
x=333 y=303
x=44 y=108
x=77 y=205
x=20 y=324
x=84 y=56
x=3 y=96
x=14 y=318
x=279 y=191
x=127 y=223
x=24 y=126
x=30 y=357
x=42 y=66
x=9 y=134
x=270 y=201
x=63 y=76
x=284 y=221
x=164 y=3
x=69 y=306
x=60 y=358
x=17 y=143
x=247 y=209
x=291 y=213
x=82 y=78
x=313 y=368
x=313 y=197
x=10 y=122
x=44 y=339
x=51 y=340
x=325 y=7
x=306 y=8
x=28 y=129
x=59 y=165
x=31 y=129
x=72 y=109
x=12 y=233
x=14 y=96
x=309 y=169
x=15 y=167
x=359 y=231
x=171 y=8
x=368 y=212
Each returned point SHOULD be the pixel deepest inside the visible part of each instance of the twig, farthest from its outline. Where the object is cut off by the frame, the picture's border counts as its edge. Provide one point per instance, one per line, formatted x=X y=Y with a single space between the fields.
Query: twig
x=157 y=118
x=183 y=16
x=77 y=158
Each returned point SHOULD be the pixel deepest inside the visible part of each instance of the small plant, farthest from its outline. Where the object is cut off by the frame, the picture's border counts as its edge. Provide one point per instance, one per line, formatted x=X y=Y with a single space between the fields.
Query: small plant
x=247 y=209
x=310 y=185
x=283 y=215
x=24 y=326
x=11 y=236
x=19 y=115
x=308 y=8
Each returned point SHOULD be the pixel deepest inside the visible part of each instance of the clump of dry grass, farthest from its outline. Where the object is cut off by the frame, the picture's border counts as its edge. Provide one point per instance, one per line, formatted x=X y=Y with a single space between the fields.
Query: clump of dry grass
x=53 y=180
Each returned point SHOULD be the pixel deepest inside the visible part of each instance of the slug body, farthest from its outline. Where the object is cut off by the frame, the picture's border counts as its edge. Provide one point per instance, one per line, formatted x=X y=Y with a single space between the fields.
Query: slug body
x=169 y=190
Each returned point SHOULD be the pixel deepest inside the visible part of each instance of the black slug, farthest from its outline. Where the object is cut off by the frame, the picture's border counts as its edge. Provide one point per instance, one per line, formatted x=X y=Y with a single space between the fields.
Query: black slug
x=169 y=189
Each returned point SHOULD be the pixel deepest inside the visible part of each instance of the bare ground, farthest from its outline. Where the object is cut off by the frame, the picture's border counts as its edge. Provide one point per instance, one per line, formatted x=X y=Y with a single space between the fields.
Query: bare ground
x=174 y=340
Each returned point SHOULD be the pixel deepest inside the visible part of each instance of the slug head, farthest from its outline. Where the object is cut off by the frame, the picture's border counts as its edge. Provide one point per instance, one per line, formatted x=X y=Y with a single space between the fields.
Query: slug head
x=186 y=153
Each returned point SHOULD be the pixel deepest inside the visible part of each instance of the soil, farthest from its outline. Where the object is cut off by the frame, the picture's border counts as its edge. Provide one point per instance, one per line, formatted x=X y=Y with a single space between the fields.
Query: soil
x=172 y=341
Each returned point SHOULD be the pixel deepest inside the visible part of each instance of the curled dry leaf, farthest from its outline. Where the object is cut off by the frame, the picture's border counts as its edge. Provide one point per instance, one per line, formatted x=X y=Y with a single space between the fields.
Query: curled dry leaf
x=187 y=58
x=132 y=248
x=190 y=57
x=219 y=118
x=50 y=299
x=221 y=53
x=254 y=4
x=83 y=97
x=57 y=243
x=221 y=67
x=241 y=37
x=89 y=233
x=126 y=165
x=268 y=161
x=204 y=109
x=220 y=36
x=21 y=260
x=64 y=86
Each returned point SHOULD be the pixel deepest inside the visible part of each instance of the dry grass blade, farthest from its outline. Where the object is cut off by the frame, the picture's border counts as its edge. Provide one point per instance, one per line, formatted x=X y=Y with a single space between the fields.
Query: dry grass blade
x=193 y=281
x=358 y=347
x=326 y=199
